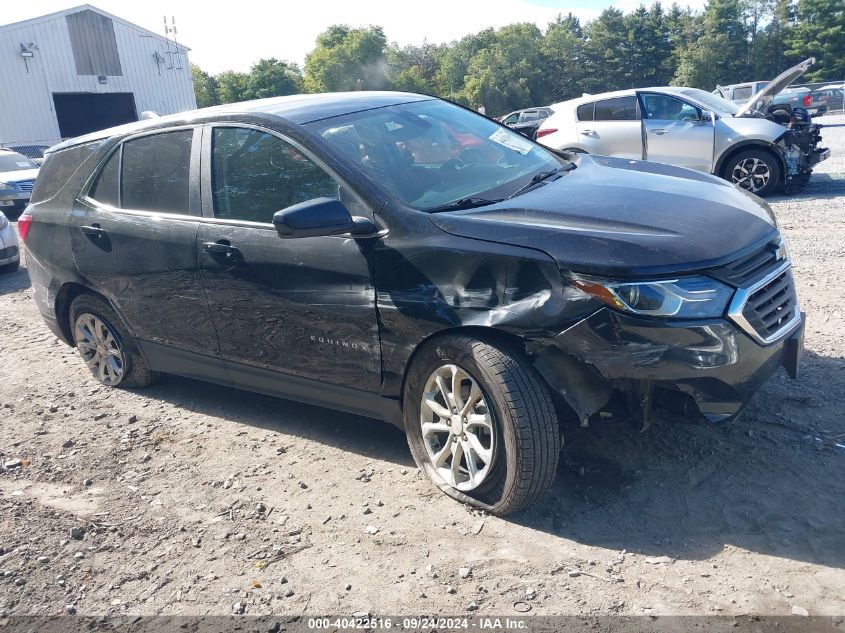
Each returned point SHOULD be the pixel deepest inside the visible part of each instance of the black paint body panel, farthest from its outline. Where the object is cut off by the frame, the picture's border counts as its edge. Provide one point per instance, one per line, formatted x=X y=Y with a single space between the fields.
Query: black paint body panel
x=336 y=320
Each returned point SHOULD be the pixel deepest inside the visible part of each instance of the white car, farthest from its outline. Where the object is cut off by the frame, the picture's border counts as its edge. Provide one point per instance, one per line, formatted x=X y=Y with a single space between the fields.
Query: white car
x=10 y=254
x=757 y=149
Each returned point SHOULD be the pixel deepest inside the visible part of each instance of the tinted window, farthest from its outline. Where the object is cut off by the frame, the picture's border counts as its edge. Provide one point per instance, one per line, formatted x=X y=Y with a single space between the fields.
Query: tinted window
x=666 y=108
x=156 y=172
x=511 y=118
x=585 y=112
x=544 y=114
x=530 y=115
x=618 y=109
x=741 y=94
x=12 y=161
x=58 y=167
x=106 y=186
x=254 y=174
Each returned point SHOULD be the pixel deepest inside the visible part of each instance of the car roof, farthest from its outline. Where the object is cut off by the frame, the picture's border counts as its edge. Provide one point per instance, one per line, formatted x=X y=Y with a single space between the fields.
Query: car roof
x=677 y=90
x=298 y=109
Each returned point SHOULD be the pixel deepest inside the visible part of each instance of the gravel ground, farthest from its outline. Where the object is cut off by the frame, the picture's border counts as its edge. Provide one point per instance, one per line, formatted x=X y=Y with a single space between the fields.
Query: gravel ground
x=189 y=498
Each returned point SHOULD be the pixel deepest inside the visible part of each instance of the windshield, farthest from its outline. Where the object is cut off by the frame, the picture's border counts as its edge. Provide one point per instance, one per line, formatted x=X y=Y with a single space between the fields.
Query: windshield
x=10 y=161
x=716 y=103
x=431 y=153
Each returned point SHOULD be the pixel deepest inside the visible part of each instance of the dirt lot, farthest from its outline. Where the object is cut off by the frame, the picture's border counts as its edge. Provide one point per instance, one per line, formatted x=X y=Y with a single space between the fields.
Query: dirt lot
x=188 y=498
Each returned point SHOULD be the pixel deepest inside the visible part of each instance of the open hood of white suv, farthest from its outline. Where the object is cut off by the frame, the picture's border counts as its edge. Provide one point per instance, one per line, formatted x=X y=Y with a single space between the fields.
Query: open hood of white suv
x=761 y=101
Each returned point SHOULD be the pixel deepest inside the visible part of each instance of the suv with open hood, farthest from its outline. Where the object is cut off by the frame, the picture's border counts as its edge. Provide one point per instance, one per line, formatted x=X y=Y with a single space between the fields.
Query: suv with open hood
x=754 y=146
x=400 y=257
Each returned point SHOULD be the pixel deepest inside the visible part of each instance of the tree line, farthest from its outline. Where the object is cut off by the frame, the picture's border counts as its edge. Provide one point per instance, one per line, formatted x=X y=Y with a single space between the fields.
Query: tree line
x=520 y=65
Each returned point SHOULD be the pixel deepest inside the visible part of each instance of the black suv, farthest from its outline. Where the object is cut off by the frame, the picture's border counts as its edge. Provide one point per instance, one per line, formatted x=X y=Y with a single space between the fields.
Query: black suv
x=403 y=258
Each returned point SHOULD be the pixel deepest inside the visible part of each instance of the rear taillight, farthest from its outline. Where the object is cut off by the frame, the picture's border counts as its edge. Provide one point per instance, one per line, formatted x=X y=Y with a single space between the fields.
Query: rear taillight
x=808 y=99
x=545 y=132
x=24 y=223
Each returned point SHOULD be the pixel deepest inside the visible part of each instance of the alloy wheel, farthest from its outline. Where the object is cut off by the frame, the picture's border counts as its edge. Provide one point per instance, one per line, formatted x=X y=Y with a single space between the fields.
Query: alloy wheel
x=100 y=349
x=752 y=174
x=457 y=428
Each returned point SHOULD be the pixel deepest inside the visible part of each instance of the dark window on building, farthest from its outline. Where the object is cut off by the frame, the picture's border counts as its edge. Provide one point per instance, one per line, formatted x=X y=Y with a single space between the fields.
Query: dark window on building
x=107 y=184
x=156 y=172
x=585 y=112
x=254 y=174
x=618 y=109
x=93 y=43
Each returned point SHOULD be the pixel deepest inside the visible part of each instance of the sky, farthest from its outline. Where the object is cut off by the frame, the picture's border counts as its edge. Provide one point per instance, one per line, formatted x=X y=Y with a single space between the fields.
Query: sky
x=223 y=39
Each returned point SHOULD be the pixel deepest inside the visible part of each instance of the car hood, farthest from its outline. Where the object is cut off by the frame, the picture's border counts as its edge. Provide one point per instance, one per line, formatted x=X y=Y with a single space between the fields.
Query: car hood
x=18 y=175
x=625 y=218
x=763 y=99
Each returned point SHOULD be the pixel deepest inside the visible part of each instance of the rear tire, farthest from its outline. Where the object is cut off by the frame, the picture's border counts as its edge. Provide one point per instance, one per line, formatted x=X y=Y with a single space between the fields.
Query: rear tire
x=106 y=346
x=755 y=170
x=510 y=432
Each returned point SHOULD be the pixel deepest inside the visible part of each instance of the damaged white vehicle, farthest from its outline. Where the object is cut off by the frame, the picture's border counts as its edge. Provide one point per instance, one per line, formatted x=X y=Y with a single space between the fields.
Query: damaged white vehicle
x=758 y=146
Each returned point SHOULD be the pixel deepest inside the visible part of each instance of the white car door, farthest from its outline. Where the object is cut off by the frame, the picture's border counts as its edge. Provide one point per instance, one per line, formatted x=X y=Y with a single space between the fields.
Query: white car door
x=676 y=132
x=611 y=127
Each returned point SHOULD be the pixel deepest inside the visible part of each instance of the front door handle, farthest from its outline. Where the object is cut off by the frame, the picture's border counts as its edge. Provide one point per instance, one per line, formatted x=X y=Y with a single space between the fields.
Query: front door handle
x=221 y=248
x=659 y=131
x=93 y=231
x=587 y=132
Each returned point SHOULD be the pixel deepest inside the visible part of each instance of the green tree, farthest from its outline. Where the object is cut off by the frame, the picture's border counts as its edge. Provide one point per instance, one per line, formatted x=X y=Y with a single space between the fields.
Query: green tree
x=563 y=50
x=648 y=47
x=205 y=87
x=272 y=78
x=606 y=52
x=347 y=59
x=819 y=32
x=231 y=86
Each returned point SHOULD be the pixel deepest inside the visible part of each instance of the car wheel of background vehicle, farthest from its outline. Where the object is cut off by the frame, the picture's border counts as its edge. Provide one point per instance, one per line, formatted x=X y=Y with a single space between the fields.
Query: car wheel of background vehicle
x=481 y=424
x=10 y=268
x=754 y=170
x=104 y=345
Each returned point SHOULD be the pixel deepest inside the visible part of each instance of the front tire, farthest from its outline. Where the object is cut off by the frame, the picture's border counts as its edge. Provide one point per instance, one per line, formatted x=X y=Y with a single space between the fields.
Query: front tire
x=481 y=424
x=105 y=346
x=757 y=171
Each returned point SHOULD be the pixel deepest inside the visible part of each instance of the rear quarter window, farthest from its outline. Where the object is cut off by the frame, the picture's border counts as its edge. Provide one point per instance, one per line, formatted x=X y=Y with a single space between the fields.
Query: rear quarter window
x=585 y=112
x=58 y=168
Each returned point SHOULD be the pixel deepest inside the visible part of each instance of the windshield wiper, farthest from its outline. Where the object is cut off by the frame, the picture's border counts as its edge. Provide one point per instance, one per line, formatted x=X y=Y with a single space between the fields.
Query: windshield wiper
x=464 y=203
x=538 y=178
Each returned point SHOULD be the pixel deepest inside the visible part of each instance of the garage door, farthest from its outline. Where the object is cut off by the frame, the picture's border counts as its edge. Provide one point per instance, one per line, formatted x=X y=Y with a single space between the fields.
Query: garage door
x=81 y=113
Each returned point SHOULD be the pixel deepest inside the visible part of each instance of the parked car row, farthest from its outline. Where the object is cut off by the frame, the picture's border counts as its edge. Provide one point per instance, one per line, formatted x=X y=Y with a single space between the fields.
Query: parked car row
x=526 y=121
x=756 y=146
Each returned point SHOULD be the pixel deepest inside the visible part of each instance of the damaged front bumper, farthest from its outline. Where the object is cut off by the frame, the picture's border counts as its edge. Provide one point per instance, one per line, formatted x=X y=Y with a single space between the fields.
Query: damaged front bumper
x=801 y=152
x=612 y=365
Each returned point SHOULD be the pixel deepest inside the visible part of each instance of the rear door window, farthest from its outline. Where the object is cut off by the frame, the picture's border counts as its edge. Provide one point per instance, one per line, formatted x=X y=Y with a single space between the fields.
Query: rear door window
x=617 y=109
x=255 y=174
x=530 y=115
x=155 y=172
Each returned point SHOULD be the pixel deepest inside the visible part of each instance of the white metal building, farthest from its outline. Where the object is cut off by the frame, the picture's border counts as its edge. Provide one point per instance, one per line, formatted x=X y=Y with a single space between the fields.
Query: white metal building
x=81 y=70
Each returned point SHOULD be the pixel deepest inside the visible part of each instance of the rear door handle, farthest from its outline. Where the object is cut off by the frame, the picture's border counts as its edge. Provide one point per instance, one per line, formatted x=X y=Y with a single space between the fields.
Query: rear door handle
x=93 y=231
x=659 y=131
x=223 y=249
x=587 y=132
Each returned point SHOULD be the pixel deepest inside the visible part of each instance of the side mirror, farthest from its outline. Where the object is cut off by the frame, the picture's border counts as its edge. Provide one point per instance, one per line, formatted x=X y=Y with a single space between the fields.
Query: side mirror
x=708 y=116
x=319 y=217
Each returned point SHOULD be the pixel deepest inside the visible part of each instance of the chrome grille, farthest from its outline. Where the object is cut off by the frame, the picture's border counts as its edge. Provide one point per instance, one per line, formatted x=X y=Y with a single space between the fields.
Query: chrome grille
x=769 y=307
x=26 y=185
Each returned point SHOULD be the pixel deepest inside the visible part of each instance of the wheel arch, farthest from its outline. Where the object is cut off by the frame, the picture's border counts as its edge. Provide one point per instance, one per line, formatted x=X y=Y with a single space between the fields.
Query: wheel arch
x=64 y=298
x=766 y=146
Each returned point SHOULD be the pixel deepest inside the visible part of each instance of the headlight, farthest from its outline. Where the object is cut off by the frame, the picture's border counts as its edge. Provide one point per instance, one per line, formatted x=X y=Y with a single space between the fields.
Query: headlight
x=685 y=297
x=5 y=186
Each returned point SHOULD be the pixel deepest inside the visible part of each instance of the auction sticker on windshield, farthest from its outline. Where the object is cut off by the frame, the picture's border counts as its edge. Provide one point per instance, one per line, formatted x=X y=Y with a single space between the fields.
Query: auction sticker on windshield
x=511 y=141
